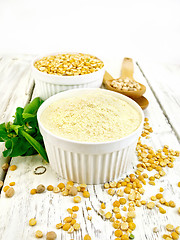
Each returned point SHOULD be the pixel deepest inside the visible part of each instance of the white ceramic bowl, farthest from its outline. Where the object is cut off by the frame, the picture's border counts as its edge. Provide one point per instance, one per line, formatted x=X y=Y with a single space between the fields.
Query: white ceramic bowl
x=48 y=84
x=90 y=163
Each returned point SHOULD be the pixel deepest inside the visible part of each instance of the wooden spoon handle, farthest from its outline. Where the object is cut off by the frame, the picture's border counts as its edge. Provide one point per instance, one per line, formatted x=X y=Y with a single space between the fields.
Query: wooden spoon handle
x=107 y=77
x=127 y=68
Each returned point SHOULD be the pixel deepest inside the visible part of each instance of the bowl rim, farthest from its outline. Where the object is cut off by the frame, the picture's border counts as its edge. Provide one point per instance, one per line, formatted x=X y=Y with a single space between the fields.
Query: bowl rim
x=49 y=101
x=57 y=77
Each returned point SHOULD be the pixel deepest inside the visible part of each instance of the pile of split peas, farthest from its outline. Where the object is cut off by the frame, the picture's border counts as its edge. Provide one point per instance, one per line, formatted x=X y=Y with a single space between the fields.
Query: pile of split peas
x=129 y=192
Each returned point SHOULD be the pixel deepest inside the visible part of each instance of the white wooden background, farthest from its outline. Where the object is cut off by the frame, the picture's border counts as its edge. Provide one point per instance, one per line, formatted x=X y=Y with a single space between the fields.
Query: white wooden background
x=16 y=89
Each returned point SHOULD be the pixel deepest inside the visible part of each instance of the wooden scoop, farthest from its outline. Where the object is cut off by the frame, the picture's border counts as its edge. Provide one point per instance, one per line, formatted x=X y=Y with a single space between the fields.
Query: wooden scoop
x=127 y=70
x=142 y=101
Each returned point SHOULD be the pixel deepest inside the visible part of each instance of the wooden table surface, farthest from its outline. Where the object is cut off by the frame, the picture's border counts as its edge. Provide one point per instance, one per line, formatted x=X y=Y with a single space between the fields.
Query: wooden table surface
x=17 y=88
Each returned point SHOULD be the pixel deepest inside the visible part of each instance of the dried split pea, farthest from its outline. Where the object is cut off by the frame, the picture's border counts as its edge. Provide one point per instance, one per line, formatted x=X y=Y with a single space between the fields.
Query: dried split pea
x=82 y=187
x=11 y=183
x=50 y=188
x=150 y=205
x=124 y=237
x=32 y=222
x=77 y=199
x=162 y=210
x=65 y=192
x=152 y=183
x=66 y=226
x=120 y=193
x=112 y=219
x=112 y=184
x=124 y=226
x=74 y=215
x=116 y=204
x=33 y=191
x=118 y=216
x=51 y=235
x=59 y=225
x=116 y=224
x=162 y=200
x=75 y=208
x=87 y=237
x=108 y=215
x=88 y=208
x=67 y=219
x=124 y=219
x=174 y=235
x=6 y=188
x=153 y=198
x=116 y=210
x=12 y=167
x=106 y=185
x=177 y=230
x=118 y=233
x=86 y=194
x=159 y=195
x=143 y=202
x=56 y=190
x=111 y=191
x=89 y=217
x=124 y=208
x=165 y=236
x=61 y=185
x=129 y=220
x=131 y=214
x=178 y=184
x=122 y=201
x=38 y=234
x=70 y=183
x=76 y=226
x=172 y=204
x=103 y=206
x=132 y=225
x=127 y=190
x=170 y=227
x=73 y=222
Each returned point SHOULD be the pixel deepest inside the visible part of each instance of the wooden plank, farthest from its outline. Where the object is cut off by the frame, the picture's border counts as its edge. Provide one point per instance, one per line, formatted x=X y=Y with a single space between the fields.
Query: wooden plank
x=16 y=87
x=50 y=208
x=163 y=80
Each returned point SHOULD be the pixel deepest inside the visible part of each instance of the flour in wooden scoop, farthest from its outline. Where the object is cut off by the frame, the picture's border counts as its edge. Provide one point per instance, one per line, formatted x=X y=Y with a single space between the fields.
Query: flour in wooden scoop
x=93 y=117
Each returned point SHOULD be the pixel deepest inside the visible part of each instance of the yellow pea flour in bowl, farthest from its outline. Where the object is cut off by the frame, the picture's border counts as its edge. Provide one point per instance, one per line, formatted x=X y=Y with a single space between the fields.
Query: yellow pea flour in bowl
x=90 y=134
x=91 y=118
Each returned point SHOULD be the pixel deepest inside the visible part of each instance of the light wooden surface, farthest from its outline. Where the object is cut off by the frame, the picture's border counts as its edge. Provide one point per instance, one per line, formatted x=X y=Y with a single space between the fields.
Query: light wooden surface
x=16 y=89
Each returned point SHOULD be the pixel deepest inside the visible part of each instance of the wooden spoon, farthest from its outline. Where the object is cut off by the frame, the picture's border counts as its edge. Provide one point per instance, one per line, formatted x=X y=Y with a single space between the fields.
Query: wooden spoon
x=127 y=71
x=141 y=101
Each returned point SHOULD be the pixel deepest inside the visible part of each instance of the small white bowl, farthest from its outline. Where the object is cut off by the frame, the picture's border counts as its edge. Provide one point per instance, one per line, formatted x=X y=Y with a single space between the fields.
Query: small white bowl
x=49 y=84
x=90 y=163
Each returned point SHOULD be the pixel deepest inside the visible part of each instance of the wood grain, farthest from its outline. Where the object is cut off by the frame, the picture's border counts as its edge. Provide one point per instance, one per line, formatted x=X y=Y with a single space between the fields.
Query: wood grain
x=50 y=208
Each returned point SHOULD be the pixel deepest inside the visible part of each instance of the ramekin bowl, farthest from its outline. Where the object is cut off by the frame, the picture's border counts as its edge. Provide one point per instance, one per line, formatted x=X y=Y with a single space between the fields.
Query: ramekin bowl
x=85 y=162
x=48 y=85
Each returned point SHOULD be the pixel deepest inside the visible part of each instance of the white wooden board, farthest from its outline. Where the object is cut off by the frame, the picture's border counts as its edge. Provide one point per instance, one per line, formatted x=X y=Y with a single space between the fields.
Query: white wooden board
x=50 y=208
